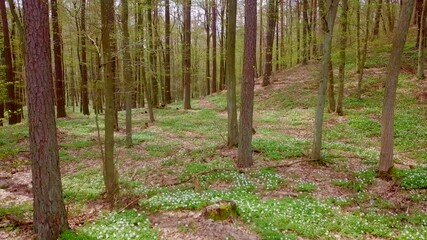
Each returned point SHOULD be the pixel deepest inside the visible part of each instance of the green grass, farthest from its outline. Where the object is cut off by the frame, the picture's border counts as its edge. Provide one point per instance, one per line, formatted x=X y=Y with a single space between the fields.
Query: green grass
x=303 y=186
x=83 y=186
x=283 y=147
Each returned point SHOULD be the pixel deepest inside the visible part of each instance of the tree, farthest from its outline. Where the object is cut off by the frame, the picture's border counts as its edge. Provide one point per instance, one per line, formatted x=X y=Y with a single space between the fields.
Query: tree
x=230 y=73
x=271 y=23
x=187 y=53
x=377 y=19
x=108 y=47
x=214 y=55
x=127 y=72
x=393 y=70
x=57 y=53
x=168 y=97
x=11 y=102
x=83 y=60
x=208 y=45
x=328 y=17
x=421 y=45
x=152 y=56
x=49 y=215
x=343 y=45
x=247 y=92
x=363 y=51
x=305 y=32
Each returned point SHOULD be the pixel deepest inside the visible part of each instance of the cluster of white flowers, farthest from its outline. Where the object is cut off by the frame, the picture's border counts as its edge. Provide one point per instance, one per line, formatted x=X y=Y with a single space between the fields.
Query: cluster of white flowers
x=415 y=178
x=121 y=226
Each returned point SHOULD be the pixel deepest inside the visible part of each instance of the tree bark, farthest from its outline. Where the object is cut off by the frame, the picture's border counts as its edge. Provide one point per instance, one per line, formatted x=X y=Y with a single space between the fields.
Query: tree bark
x=83 y=60
x=59 y=68
x=341 y=67
x=230 y=73
x=364 y=51
x=271 y=23
x=421 y=45
x=247 y=93
x=12 y=99
x=328 y=18
x=208 y=46
x=168 y=96
x=304 y=32
x=108 y=46
x=214 y=51
x=393 y=70
x=127 y=72
x=187 y=53
x=49 y=215
x=331 y=88
x=377 y=19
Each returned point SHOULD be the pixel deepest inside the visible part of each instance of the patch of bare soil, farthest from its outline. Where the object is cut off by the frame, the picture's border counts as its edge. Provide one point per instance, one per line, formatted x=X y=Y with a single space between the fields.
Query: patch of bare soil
x=192 y=225
x=15 y=188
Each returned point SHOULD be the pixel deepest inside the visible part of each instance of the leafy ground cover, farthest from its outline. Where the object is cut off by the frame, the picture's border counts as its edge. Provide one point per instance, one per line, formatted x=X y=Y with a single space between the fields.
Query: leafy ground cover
x=179 y=165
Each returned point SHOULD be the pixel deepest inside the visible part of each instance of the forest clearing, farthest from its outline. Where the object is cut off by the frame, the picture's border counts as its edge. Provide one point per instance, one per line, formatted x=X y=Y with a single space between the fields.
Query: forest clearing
x=284 y=119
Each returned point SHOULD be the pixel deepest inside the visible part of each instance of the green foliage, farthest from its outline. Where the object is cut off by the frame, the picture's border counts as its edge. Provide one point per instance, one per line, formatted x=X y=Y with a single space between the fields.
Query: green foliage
x=303 y=186
x=117 y=226
x=83 y=186
x=10 y=136
x=143 y=136
x=160 y=150
x=16 y=210
x=79 y=144
x=284 y=147
x=415 y=178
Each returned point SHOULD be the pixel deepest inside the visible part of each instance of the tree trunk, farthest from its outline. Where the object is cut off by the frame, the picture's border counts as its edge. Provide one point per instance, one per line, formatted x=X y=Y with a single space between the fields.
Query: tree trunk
x=222 y=55
x=108 y=46
x=230 y=74
x=282 y=62
x=59 y=70
x=393 y=70
x=49 y=215
x=187 y=53
x=214 y=15
x=304 y=32
x=247 y=93
x=12 y=99
x=421 y=45
x=417 y=17
x=364 y=51
x=168 y=97
x=328 y=18
x=298 y=23
x=331 y=88
x=152 y=55
x=341 y=68
x=208 y=46
x=271 y=23
x=261 y=36
x=127 y=72
x=83 y=60
x=376 y=30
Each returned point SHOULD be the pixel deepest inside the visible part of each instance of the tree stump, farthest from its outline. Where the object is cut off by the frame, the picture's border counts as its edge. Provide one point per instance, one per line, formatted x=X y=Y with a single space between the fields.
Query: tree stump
x=222 y=210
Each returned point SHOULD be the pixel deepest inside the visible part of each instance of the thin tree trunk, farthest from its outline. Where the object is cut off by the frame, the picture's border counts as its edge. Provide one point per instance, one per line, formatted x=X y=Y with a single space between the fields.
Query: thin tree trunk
x=83 y=60
x=377 y=19
x=12 y=99
x=214 y=54
x=222 y=55
x=298 y=30
x=49 y=215
x=282 y=62
x=261 y=36
x=230 y=73
x=152 y=55
x=304 y=32
x=127 y=72
x=393 y=70
x=421 y=45
x=364 y=51
x=247 y=93
x=271 y=22
x=187 y=53
x=328 y=18
x=108 y=46
x=343 y=45
x=168 y=97
x=331 y=88
x=208 y=46
x=59 y=70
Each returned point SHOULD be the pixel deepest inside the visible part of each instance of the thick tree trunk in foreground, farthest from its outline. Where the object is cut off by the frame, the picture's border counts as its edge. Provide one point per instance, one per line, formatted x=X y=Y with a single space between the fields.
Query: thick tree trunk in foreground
x=187 y=53
x=59 y=68
x=230 y=74
x=12 y=99
x=393 y=70
x=329 y=18
x=247 y=93
x=108 y=46
x=49 y=209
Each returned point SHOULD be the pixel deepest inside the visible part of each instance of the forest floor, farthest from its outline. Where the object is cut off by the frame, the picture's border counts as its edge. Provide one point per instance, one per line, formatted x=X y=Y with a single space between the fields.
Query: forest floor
x=180 y=164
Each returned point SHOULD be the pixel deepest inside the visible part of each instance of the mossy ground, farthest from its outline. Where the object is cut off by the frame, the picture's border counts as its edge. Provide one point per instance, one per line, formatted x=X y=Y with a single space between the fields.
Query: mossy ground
x=340 y=197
